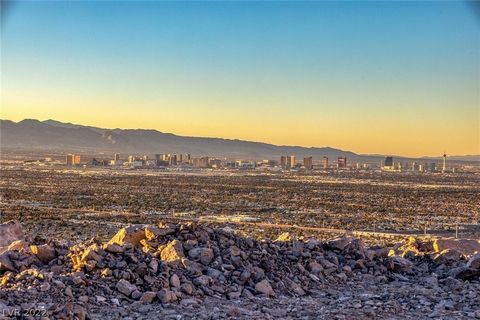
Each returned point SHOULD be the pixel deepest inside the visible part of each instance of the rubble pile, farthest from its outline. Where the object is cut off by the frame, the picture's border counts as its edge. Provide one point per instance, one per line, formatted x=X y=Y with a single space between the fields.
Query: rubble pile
x=181 y=263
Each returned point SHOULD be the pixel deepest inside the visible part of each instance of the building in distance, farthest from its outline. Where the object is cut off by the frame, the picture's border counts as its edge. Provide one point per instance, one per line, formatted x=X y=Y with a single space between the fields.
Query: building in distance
x=308 y=163
x=325 y=162
x=291 y=162
x=341 y=162
x=72 y=159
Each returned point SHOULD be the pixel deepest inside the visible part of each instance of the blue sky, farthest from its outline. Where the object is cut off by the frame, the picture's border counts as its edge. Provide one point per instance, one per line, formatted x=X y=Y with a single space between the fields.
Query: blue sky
x=386 y=73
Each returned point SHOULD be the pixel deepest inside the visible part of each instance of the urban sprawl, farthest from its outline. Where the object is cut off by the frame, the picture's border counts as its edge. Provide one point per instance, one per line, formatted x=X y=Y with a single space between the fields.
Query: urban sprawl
x=285 y=163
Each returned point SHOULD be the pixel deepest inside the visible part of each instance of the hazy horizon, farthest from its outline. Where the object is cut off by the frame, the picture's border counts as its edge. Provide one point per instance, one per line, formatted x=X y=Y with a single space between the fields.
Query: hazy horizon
x=397 y=78
x=255 y=141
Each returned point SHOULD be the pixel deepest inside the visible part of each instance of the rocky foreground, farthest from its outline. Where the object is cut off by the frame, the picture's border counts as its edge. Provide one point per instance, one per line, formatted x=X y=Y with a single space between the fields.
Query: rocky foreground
x=183 y=271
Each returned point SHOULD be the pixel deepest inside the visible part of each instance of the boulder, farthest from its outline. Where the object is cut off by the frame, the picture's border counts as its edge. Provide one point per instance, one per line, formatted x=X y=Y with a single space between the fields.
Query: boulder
x=285 y=237
x=125 y=287
x=466 y=247
x=151 y=232
x=175 y=281
x=265 y=288
x=147 y=297
x=9 y=232
x=399 y=264
x=470 y=270
x=474 y=262
x=44 y=252
x=166 y=296
x=132 y=235
x=203 y=280
x=204 y=255
x=16 y=245
x=464 y=273
x=173 y=252
x=5 y=263
x=339 y=243
x=314 y=267
x=113 y=248
x=447 y=256
x=409 y=247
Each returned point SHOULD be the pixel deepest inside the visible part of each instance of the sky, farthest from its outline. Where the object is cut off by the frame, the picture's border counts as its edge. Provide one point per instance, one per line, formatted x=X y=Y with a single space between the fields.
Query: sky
x=397 y=78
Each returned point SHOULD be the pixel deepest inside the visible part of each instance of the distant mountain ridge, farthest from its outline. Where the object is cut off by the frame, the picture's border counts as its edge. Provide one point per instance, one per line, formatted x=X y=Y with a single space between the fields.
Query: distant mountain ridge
x=55 y=135
x=52 y=134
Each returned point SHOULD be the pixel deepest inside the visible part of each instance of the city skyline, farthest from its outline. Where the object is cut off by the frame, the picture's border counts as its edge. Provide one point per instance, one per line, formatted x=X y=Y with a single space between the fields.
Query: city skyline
x=373 y=78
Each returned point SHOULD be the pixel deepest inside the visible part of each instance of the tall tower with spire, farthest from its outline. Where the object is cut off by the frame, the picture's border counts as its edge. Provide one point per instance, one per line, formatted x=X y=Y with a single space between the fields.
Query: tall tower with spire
x=444 y=166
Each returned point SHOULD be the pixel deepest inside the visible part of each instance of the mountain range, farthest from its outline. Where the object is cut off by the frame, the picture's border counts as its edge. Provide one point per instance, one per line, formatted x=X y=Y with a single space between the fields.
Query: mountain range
x=31 y=134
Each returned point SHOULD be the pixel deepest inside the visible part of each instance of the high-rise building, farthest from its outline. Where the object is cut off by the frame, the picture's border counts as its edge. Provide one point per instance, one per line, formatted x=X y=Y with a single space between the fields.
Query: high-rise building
x=308 y=163
x=116 y=157
x=166 y=157
x=283 y=162
x=325 y=162
x=158 y=160
x=131 y=159
x=202 y=162
x=291 y=161
x=388 y=162
x=433 y=167
x=69 y=159
x=342 y=162
x=415 y=166
x=173 y=160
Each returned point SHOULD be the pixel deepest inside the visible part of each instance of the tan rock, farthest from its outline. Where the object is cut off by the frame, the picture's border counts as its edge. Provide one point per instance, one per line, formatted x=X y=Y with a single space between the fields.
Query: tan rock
x=152 y=232
x=106 y=272
x=131 y=235
x=285 y=237
x=173 y=252
x=91 y=254
x=16 y=245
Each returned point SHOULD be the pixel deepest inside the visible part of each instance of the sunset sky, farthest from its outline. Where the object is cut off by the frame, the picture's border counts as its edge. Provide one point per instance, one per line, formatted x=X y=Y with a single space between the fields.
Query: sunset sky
x=397 y=78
